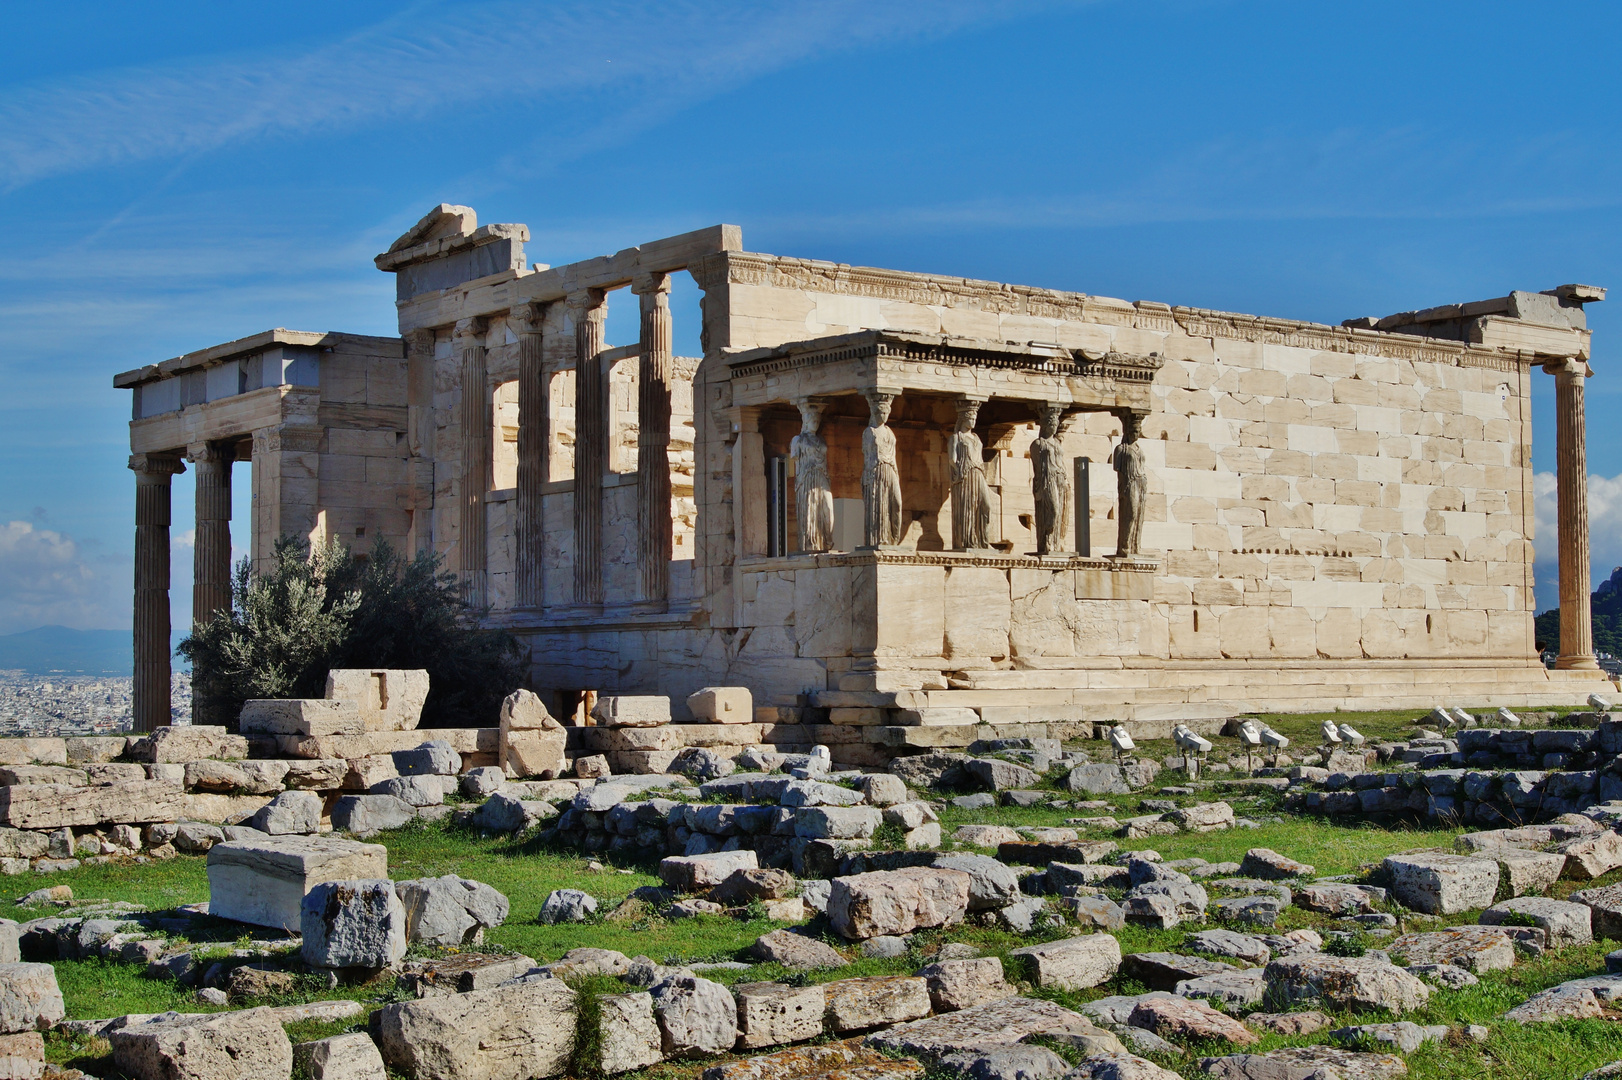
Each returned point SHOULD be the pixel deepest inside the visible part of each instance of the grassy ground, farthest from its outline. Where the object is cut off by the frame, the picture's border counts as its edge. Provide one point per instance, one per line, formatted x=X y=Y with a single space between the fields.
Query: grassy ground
x=526 y=873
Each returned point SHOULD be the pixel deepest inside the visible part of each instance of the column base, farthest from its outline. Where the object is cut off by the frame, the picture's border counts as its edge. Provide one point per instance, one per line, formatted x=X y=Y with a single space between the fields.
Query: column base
x=1581 y=662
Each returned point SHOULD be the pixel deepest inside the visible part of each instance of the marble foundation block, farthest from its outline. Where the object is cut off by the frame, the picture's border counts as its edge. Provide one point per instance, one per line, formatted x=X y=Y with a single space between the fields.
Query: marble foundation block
x=722 y=705
x=300 y=716
x=263 y=882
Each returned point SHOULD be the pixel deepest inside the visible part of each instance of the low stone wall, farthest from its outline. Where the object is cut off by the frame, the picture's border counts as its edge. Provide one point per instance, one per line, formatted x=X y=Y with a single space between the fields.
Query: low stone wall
x=1489 y=777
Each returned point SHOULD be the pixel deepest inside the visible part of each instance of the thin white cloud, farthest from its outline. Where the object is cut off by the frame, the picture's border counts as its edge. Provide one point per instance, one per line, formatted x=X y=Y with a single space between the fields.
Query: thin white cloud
x=1604 y=532
x=46 y=579
x=433 y=58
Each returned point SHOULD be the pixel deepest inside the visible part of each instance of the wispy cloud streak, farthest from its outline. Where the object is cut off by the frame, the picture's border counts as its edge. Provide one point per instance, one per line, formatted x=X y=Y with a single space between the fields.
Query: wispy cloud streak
x=432 y=58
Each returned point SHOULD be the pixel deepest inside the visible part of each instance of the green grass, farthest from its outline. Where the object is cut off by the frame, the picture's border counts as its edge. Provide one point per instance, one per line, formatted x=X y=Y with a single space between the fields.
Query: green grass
x=526 y=872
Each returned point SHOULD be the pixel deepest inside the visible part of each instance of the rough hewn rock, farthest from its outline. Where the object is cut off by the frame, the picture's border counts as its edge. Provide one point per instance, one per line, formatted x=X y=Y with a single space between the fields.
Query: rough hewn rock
x=963 y=984
x=1074 y=963
x=1342 y=982
x=1335 y=898
x=897 y=901
x=697 y=873
x=794 y=950
x=1165 y=904
x=566 y=905
x=1207 y=817
x=996 y=1023
x=1015 y=1062
x=1306 y=1063
x=530 y=741
x=22 y=1056
x=1120 y=1066
x=1442 y=884
x=292 y=813
x=1269 y=865
x=1244 y=947
x=770 y=1014
x=365 y=815
x=1563 y=923
x=1589 y=857
x=449 y=910
x=860 y=1004
x=29 y=998
x=695 y=1016
x=347 y=924
x=1186 y=1018
x=987 y=836
x=1097 y=779
x=1306 y=1022
x=991 y=883
x=994 y=774
x=1555 y=1004
x=248 y=1045
x=1605 y=909
x=515 y=1032
x=1163 y=970
x=1404 y=1036
x=1473 y=948
x=342 y=1057
x=627 y=1033
x=744 y=885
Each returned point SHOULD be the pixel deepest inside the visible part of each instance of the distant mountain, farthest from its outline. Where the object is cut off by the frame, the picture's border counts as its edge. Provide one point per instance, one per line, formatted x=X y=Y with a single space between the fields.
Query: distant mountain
x=57 y=649
x=1605 y=605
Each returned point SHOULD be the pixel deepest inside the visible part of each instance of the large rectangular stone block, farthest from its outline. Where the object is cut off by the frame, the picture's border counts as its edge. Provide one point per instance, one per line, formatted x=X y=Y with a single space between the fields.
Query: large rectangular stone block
x=263 y=882
x=300 y=716
x=51 y=806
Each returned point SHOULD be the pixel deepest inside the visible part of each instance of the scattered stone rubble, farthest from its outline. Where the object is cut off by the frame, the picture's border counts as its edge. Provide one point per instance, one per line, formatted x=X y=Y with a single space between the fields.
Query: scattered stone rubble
x=789 y=832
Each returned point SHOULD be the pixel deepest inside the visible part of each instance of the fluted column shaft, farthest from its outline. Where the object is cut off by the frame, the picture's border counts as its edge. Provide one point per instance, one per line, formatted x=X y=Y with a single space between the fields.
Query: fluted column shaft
x=653 y=439
x=590 y=444
x=211 y=553
x=150 y=692
x=475 y=459
x=534 y=437
x=1571 y=478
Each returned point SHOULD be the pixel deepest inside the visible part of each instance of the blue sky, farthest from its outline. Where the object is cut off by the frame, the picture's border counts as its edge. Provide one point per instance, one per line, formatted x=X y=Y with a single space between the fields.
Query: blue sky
x=178 y=175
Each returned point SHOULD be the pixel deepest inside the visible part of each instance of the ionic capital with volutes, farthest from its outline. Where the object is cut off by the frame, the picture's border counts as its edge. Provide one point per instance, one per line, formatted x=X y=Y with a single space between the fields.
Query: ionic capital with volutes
x=526 y=318
x=156 y=465
x=420 y=343
x=1570 y=366
x=469 y=333
x=653 y=282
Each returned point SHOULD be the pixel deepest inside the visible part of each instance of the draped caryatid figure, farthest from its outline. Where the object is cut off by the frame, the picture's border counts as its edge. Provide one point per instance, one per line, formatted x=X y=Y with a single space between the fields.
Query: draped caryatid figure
x=1051 y=482
x=1132 y=487
x=881 y=477
x=971 y=495
x=813 y=493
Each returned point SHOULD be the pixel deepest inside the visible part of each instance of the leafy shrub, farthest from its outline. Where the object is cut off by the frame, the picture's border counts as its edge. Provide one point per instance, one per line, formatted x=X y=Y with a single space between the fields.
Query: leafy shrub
x=322 y=608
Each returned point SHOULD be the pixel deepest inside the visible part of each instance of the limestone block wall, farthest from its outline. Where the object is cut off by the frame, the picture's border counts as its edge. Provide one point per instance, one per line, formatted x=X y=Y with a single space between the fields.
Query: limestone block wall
x=1318 y=493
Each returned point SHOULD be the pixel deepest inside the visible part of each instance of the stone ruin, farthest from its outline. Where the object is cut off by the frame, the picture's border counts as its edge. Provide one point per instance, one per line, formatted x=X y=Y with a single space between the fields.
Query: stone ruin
x=879 y=500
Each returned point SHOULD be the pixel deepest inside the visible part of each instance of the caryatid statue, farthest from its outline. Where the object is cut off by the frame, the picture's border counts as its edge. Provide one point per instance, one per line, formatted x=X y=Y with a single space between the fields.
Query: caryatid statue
x=971 y=495
x=1131 y=485
x=1051 y=483
x=881 y=478
x=813 y=494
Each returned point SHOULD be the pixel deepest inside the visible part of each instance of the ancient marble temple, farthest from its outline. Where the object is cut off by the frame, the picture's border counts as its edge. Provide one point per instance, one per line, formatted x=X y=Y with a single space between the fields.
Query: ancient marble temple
x=905 y=505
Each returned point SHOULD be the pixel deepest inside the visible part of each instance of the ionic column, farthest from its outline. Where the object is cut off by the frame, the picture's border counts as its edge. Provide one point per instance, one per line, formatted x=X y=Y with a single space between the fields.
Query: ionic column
x=1571 y=477
x=534 y=437
x=475 y=458
x=211 y=554
x=590 y=444
x=653 y=438
x=150 y=693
